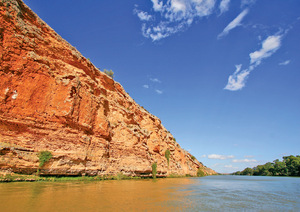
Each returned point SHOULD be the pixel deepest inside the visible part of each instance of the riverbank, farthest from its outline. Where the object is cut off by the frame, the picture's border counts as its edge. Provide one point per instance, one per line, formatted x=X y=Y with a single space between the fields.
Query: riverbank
x=34 y=178
x=13 y=177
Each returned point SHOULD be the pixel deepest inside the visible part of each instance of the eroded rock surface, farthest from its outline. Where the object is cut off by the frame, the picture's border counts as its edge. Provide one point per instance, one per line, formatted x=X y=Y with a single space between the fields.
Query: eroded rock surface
x=52 y=98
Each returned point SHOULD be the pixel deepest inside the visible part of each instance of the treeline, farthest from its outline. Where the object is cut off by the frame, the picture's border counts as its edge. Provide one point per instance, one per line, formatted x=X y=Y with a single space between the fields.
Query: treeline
x=289 y=166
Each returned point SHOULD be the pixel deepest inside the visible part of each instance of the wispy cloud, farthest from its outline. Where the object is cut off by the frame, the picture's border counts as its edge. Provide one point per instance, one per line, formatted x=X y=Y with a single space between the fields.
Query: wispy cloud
x=269 y=47
x=220 y=157
x=159 y=91
x=224 y=6
x=233 y=24
x=155 y=80
x=174 y=16
x=144 y=16
x=154 y=85
x=284 y=63
x=247 y=3
x=244 y=160
x=237 y=80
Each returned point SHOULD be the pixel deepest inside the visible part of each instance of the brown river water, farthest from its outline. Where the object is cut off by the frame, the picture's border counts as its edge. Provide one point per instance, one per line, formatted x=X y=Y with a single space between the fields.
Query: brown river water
x=213 y=193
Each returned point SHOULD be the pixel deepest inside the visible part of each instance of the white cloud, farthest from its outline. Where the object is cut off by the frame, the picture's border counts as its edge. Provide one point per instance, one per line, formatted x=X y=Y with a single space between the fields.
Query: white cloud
x=155 y=80
x=233 y=24
x=237 y=80
x=143 y=16
x=220 y=157
x=284 y=63
x=157 y=5
x=244 y=160
x=231 y=167
x=269 y=47
x=158 y=91
x=249 y=156
x=224 y=6
x=153 y=84
x=216 y=165
x=174 y=16
x=178 y=6
x=161 y=30
x=203 y=156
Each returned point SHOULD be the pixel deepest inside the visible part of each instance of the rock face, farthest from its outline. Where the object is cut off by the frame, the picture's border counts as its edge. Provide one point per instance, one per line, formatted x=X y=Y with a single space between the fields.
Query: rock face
x=52 y=98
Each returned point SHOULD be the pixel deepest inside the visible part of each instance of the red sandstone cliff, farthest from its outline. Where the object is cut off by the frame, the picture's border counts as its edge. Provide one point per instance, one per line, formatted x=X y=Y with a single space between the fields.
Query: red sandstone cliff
x=52 y=98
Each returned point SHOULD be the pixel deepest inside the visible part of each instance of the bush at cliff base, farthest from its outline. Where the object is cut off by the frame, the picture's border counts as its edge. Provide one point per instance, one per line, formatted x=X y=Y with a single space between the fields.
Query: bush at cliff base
x=200 y=173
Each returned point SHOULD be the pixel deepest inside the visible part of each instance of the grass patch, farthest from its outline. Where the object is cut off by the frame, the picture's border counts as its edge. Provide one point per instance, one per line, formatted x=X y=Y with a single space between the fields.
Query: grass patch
x=173 y=175
x=121 y=176
x=17 y=178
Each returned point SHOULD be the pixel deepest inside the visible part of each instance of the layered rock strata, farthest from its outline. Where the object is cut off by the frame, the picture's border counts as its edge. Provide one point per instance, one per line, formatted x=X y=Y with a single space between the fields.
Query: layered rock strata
x=52 y=98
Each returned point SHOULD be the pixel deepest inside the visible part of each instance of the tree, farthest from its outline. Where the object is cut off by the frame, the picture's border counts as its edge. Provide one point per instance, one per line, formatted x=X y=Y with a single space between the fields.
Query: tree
x=167 y=155
x=268 y=169
x=237 y=173
x=247 y=171
x=280 y=168
x=154 y=170
x=292 y=164
x=258 y=170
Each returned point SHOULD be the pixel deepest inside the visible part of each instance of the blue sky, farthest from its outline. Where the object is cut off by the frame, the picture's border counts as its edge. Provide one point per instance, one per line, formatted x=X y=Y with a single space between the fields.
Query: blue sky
x=222 y=75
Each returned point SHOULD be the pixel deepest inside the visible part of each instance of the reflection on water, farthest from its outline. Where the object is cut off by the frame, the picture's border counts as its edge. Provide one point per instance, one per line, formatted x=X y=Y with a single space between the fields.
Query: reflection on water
x=214 y=193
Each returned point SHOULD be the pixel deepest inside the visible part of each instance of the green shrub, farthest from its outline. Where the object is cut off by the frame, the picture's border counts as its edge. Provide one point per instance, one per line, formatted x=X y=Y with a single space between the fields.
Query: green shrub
x=9 y=177
x=200 y=173
x=120 y=176
x=174 y=175
x=154 y=167
x=109 y=73
x=193 y=157
x=44 y=156
x=167 y=155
